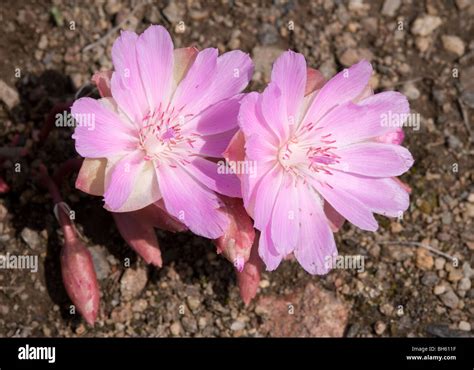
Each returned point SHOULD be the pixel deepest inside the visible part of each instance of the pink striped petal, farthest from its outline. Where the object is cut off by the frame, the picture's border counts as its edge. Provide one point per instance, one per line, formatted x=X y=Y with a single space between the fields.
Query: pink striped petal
x=267 y=250
x=100 y=132
x=374 y=159
x=155 y=62
x=191 y=203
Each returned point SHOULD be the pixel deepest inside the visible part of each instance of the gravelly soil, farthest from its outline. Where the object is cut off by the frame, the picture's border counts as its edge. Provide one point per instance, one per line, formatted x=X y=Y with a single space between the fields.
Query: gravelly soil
x=405 y=290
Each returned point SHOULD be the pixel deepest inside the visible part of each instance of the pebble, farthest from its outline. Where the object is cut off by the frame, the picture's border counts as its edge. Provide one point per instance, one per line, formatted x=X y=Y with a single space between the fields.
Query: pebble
x=175 y=328
x=455 y=275
x=237 y=325
x=132 y=283
x=101 y=264
x=8 y=95
x=386 y=309
x=31 y=237
x=429 y=279
x=450 y=299
x=464 y=284
x=352 y=56
x=43 y=42
x=173 y=12
x=424 y=259
x=193 y=303
x=425 y=25
x=464 y=326
x=264 y=284
x=189 y=324
x=453 y=44
x=422 y=43
x=380 y=327
x=439 y=263
x=439 y=289
x=390 y=7
x=411 y=91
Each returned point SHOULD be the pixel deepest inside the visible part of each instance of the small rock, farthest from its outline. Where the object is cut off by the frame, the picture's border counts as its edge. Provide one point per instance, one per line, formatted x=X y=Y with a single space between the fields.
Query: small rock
x=455 y=275
x=101 y=264
x=237 y=325
x=140 y=305
x=8 y=95
x=268 y=34
x=353 y=56
x=453 y=44
x=380 y=327
x=189 y=324
x=132 y=283
x=386 y=309
x=390 y=7
x=173 y=12
x=463 y=4
x=429 y=279
x=43 y=42
x=422 y=43
x=31 y=237
x=439 y=289
x=439 y=263
x=202 y=322
x=175 y=328
x=425 y=25
x=193 y=303
x=464 y=326
x=264 y=284
x=424 y=260
x=410 y=91
x=450 y=299
x=464 y=284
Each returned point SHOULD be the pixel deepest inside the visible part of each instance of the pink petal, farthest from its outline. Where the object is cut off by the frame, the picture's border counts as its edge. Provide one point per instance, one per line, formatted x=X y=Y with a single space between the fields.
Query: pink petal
x=139 y=235
x=193 y=88
x=100 y=132
x=267 y=250
x=126 y=83
x=316 y=244
x=374 y=159
x=191 y=202
x=289 y=74
x=266 y=197
x=347 y=205
x=380 y=195
x=140 y=183
x=285 y=228
x=251 y=119
x=155 y=62
x=344 y=87
x=273 y=111
x=235 y=151
x=216 y=119
x=212 y=145
x=156 y=213
x=207 y=173
x=122 y=179
x=351 y=123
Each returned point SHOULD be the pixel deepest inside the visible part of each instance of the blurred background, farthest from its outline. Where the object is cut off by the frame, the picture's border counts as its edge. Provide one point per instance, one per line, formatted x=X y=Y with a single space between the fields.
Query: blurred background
x=418 y=271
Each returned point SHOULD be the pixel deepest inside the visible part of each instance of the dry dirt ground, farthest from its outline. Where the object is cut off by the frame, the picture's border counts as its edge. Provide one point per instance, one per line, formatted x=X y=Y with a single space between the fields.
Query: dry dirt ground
x=422 y=48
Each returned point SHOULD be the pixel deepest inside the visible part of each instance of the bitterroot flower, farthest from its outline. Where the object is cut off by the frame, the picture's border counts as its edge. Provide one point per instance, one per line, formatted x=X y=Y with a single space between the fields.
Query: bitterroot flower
x=170 y=111
x=322 y=153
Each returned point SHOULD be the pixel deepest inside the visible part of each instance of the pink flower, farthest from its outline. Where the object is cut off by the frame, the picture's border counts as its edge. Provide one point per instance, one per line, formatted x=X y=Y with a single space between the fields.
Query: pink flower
x=322 y=153
x=170 y=111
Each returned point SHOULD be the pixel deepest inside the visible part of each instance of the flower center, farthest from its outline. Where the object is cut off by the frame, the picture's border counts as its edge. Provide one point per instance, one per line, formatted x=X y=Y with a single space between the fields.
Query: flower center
x=308 y=154
x=161 y=137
